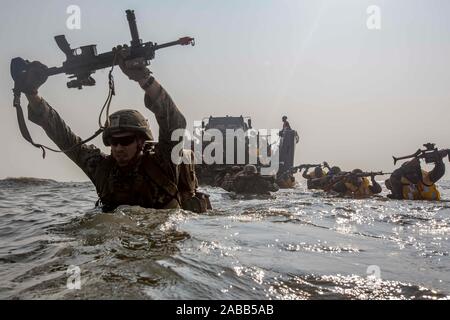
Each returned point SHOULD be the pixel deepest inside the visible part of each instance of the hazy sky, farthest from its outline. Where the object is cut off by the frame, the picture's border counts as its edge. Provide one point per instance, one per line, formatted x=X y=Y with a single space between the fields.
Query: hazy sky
x=356 y=96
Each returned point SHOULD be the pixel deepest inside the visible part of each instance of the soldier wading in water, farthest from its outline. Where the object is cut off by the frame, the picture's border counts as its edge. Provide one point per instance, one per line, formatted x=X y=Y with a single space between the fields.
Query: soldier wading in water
x=132 y=174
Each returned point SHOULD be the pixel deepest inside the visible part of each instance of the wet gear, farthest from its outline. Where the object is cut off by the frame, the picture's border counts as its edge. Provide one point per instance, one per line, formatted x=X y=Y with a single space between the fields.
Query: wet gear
x=423 y=190
x=359 y=191
x=191 y=199
x=411 y=182
x=143 y=185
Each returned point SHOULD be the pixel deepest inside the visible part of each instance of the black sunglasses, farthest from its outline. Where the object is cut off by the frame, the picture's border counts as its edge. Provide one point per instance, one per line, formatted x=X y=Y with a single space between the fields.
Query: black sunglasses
x=123 y=141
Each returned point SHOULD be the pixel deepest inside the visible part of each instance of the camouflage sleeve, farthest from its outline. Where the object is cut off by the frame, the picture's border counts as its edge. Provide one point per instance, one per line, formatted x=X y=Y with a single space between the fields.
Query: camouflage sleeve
x=169 y=119
x=305 y=174
x=86 y=157
x=167 y=115
x=375 y=188
x=438 y=170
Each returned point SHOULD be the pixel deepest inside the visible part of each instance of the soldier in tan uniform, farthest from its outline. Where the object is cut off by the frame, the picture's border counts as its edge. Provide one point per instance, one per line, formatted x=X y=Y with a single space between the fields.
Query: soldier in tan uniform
x=131 y=174
x=410 y=182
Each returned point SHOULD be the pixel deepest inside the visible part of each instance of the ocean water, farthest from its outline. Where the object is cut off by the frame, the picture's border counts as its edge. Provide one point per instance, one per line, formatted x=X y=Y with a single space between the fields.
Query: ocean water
x=297 y=244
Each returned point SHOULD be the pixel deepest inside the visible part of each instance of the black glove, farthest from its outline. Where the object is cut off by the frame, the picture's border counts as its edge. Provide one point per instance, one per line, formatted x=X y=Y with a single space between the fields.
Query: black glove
x=135 y=69
x=437 y=156
x=32 y=78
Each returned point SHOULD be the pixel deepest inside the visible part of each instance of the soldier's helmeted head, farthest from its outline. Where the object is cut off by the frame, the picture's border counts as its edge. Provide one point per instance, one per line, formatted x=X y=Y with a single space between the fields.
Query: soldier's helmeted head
x=356 y=180
x=318 y=173
x=126 y=133
x=250 y=169
x=335 y=170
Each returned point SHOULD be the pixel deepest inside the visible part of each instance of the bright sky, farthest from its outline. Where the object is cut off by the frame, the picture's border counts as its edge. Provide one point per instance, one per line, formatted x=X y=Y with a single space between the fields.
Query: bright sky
x=356 y=96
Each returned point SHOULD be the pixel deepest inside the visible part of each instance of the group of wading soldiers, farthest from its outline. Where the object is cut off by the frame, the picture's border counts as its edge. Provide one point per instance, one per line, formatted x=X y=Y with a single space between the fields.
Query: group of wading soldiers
x=409 y=182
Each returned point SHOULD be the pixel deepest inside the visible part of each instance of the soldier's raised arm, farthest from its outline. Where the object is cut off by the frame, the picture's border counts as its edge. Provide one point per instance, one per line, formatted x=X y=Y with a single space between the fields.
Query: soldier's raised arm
x=156 y=98
x=375 y=188
x=439 y=168
x=42 y=114
x=167 y=114
x=305 y=173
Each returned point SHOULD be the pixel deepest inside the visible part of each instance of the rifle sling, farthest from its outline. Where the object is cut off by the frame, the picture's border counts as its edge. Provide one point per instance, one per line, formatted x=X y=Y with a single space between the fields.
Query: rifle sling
x=26 y=133
x=22 y=125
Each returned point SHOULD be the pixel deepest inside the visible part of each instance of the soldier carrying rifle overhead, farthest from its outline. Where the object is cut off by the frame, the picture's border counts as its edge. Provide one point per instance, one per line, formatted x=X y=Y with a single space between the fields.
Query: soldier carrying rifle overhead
x=133 y=174
x=411 y=182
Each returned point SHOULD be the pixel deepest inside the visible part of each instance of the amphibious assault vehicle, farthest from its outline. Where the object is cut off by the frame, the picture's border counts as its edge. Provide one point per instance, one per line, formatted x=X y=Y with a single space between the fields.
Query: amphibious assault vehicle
x=241 y=145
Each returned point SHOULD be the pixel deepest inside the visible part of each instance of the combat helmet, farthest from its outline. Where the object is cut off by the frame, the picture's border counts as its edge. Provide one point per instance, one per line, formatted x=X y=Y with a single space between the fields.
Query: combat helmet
x=318 y=172
x=335 y=170
x=124 y=121
x=250 y=169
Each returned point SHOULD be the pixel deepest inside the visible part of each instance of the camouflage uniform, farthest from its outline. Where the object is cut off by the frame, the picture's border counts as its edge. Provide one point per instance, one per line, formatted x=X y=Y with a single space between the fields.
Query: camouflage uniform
x=152 y=182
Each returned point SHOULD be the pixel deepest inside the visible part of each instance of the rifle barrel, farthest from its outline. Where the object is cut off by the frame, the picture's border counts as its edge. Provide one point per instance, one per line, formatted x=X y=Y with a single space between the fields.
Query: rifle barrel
x=414 y=155
x=182 y=41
